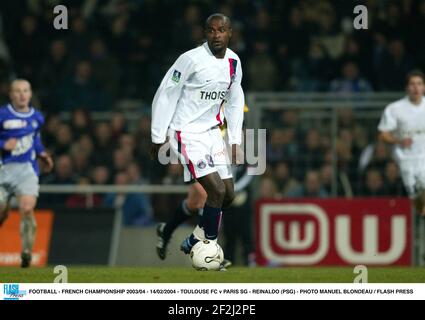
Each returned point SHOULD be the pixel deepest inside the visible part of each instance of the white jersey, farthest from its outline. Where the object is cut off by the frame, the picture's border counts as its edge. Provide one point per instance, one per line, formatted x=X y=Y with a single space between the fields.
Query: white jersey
x=192 y=93
x=406 y=120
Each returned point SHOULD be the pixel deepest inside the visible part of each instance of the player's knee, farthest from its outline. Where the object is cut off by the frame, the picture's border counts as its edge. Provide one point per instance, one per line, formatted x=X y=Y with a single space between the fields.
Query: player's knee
x=228 y=199
x=193 y=205
x=216 y=196
x=196 y=201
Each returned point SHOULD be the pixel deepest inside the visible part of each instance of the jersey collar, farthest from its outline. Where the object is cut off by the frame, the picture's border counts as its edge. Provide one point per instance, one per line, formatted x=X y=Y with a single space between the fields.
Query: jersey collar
x=20 y=114
x=210 y=52
x=415 y=105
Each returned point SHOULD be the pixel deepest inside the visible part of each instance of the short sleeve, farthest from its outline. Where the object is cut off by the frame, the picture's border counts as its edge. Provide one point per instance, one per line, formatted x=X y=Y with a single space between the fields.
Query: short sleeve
x=388 y=121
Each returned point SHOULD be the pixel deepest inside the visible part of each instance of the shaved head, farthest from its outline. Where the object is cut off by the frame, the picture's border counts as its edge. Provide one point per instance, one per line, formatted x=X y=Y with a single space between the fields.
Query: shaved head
x=218 y=31
x=16 y=82
x=218 y=16
x=20 y=94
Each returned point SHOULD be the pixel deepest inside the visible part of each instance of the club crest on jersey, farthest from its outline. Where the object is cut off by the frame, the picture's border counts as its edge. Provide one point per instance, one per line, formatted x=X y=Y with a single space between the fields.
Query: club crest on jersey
x=209 y=160
x=176 y=76
x=34 y=124
x=201 y=164
x=14 y=124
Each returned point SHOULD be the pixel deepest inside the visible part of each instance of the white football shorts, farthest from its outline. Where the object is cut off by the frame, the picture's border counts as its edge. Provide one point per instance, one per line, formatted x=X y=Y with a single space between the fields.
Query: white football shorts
x=17 y=179
x=201 y=153
x=413 y=175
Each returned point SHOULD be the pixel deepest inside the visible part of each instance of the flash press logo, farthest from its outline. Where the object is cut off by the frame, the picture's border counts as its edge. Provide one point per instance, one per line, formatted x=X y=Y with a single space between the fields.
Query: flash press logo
x=12 y=292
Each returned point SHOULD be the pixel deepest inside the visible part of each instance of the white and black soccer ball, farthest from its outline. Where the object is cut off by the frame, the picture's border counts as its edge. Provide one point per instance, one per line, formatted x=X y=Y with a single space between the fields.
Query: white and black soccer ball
x=207 y=255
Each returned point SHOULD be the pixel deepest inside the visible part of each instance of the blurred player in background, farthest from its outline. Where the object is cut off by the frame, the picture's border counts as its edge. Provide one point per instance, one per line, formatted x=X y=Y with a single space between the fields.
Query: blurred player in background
x=188 y=109
x=403 y=125
x=21 y=145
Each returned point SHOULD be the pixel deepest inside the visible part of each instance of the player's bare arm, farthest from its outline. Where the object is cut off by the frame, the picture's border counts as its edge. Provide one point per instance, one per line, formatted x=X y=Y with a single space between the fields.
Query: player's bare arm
x=154 y=150
x=389 y=138
x=237 y=155
x=47 y=161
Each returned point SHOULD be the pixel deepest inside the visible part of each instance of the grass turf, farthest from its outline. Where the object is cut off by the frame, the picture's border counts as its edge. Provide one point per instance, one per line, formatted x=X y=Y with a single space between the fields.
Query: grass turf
x=187 y=275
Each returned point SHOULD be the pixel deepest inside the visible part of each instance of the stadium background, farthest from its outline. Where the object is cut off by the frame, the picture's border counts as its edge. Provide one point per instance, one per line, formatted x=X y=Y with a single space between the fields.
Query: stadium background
x=314 y=82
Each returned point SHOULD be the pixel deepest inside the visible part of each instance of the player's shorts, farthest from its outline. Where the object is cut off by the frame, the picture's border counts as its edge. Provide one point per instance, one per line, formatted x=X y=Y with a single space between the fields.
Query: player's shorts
x=17 y=179
x=201 y=153
x=413 y=175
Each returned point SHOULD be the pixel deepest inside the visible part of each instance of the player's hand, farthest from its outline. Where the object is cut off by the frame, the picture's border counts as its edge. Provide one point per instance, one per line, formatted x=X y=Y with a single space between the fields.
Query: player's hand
x=154 y=150
x=237 y=155
x=47 y=161
x=406 y=142
x=10 y=144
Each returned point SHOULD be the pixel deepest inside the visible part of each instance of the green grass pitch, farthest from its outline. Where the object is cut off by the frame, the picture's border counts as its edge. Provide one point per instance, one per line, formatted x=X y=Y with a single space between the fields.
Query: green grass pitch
x=97 y=274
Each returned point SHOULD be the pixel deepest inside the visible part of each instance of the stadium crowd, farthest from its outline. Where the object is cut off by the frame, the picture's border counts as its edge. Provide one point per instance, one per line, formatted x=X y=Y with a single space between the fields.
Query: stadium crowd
x=119 y=49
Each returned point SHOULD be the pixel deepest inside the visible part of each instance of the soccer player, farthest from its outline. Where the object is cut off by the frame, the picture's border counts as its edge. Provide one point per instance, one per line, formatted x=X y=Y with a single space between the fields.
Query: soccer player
x=187 y=109
x=403 y=125
x=20 y=145
x=193 y=205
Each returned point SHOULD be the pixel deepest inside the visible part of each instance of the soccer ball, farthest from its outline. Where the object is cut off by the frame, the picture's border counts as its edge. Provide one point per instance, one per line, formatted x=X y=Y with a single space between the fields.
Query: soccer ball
x=206 y=255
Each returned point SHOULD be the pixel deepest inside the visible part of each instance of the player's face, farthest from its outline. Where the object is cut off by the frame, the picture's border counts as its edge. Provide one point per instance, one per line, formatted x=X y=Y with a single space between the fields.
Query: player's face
x=218 y=34
x=21 y=94
x=415 y=88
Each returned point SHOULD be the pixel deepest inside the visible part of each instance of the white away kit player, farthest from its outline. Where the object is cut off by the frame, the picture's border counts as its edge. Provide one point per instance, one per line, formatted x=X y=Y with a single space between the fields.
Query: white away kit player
x=187 y=110
x=403 y=125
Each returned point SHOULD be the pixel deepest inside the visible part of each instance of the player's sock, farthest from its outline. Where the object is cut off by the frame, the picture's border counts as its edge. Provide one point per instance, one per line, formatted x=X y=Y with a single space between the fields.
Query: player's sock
x=211 y=220
x=28 y=230
x=181 y=215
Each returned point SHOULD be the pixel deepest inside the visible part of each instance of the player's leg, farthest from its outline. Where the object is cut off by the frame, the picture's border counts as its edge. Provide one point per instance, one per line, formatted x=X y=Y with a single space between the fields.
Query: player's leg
x=25 y=187
x=4 y=205
x=196 y=151
x=228 y=199
x=28 y=226
x=408 y=175
x=212 y=211
x=211 y=216
x=195 y=203
x=190 y=206
x=419 y=203
x=230 y=230
x=420 y=188
x=191 y=150
x=4 y=195
x=230 y=192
